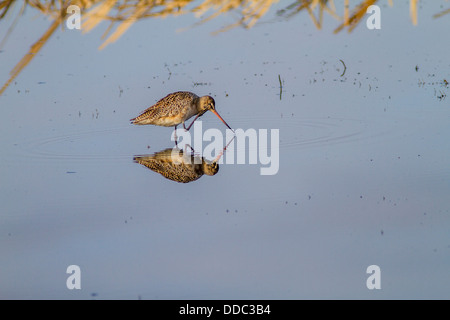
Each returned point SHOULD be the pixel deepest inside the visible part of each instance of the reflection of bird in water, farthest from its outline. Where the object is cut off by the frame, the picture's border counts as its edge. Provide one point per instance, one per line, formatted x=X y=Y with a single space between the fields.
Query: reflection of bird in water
x=175 y=165
x=176 y=108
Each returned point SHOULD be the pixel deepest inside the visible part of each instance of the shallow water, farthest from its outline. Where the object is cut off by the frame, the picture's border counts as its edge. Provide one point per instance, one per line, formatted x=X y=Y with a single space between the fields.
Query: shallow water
x=363 y=175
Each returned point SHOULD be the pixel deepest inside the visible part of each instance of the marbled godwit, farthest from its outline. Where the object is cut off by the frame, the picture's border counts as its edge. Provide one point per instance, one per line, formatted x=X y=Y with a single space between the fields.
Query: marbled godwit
x=176 y=108
x=178 y=166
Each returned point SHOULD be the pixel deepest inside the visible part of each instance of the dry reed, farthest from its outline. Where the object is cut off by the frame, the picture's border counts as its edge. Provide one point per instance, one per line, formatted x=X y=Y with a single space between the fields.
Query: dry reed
x=124 y=13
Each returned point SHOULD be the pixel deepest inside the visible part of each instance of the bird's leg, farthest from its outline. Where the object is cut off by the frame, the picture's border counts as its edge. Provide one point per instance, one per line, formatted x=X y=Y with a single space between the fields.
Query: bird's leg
x=188 y=145
x=191 y=123
x=176 y=138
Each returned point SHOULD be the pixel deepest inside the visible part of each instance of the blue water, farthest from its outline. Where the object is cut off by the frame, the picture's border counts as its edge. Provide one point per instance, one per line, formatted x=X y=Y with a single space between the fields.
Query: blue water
x=363 y=175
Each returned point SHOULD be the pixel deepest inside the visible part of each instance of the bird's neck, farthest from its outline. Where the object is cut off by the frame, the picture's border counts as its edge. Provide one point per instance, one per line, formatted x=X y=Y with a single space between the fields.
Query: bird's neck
x=197 y=104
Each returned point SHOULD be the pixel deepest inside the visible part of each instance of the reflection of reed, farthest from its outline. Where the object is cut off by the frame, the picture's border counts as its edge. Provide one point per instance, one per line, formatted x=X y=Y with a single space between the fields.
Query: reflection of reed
x=124 y=13
x=176 y=165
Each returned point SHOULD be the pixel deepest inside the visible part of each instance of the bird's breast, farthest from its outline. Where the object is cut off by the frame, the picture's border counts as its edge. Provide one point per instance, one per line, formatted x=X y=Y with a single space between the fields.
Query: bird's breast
x=173 y=120
x=169 y=121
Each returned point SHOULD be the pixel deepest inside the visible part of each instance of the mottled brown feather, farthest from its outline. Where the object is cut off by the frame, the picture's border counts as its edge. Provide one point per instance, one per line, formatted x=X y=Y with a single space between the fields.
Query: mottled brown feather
x=177 y=168
x=174 y=105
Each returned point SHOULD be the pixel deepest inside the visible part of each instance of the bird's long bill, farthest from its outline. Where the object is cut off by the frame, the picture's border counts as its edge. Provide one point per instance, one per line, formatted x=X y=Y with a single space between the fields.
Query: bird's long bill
x=218 y=116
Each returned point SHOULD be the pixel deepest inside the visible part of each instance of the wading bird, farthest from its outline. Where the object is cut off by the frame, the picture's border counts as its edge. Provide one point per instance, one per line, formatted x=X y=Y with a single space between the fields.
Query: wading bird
x=176 y=165
x=176 y=108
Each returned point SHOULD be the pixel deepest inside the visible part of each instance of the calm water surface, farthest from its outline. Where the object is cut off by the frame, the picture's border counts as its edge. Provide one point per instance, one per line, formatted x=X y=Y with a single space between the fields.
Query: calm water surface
x=363 y=175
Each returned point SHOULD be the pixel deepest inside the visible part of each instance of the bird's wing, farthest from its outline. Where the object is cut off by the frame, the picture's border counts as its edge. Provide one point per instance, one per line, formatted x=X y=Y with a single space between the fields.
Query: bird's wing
x=163 y=164
x=169 y=106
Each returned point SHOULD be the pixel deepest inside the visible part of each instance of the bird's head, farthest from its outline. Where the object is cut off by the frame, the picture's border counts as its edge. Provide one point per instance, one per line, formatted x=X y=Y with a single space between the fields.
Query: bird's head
x=210 y=168
x=207 y=103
